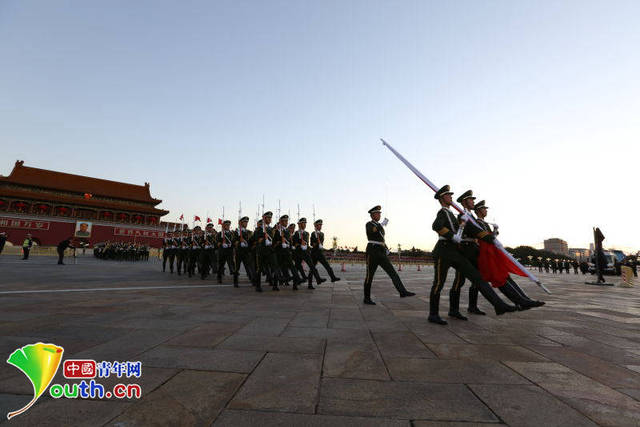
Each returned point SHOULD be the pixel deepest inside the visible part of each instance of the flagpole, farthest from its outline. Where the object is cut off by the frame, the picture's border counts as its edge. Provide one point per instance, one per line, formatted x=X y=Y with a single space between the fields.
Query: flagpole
x=473 y=221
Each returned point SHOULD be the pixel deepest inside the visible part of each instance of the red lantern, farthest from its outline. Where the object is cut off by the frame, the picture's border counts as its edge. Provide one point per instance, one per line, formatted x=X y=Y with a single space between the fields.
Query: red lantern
x=20 y=205
x=106 y=214
x=62 y=209
x=153 y=220
x=88 y=195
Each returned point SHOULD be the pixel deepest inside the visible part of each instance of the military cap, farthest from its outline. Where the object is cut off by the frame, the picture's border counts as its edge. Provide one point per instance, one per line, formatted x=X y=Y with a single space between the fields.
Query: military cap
x=284 y=217
x=210 y=224
x=302 y=220
x=466 y=195
x=244 y=218
x=442 y=191
x=375 y=209
x=480 y=205
x=259 y=221
x=318 y=222
x=267 y=213
x=226 y=221
x=197 y=227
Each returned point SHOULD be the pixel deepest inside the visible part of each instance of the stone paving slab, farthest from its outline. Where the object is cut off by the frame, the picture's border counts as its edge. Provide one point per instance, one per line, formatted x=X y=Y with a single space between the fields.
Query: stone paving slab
x=231 y=356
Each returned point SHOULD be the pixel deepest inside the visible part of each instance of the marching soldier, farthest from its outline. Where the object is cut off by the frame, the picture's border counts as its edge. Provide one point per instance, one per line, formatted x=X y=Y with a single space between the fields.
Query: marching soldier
x=469 y=248
x=243 y=241
x=377 y=255
x=208 y=252
x=283 y=250
x=510 y=289
x=168 y=252
x=295 y=254
x=194 y=251
x=301 y=243
x=317 y=251
x=447 y=254
x=225 y=252
x=183 y=251
x=267 y=261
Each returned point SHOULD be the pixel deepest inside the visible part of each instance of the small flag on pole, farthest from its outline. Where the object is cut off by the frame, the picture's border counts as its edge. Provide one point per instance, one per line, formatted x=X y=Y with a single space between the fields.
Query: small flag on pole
x=196 y=218
x=181 y=217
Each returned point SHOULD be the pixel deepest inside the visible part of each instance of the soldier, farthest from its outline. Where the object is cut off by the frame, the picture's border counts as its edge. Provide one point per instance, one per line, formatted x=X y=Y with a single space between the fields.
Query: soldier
x=546 y=265
x=282 y=247
x=554 y=266
x=167 y=252
x=243 y=240
x=225 y=252
x=295 y=254
x=301 y=244
x=267 y=261
x=3 y=240
x=377 y=255
x=510 y=289
x=208 y=252
x=194 y=250
x=469 y=248
x=447 y=254
x=567 y=266
x=317 y=251
x=182 y=251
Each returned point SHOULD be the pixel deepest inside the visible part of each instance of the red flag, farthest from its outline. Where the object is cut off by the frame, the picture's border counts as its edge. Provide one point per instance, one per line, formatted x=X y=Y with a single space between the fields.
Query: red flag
x=196 y=218
x=181 y=217
x=219 y=221
x=209 y=220
x=494 y=266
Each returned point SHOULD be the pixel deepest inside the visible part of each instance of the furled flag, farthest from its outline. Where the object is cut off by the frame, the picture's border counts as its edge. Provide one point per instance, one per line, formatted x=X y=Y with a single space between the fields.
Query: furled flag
x=494 y=265
x=196 y=218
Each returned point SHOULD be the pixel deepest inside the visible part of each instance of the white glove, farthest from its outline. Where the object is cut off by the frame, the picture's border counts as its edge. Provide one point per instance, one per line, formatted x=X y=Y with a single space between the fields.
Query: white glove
x=495 y=227
x=225 y=245
x=244 y=244
x=304 y=247
x=384 y=222
x=320 y=246
x=465 y=217
x=388 y=251
x=456 y=238
x=267 y=242
x=284 y=245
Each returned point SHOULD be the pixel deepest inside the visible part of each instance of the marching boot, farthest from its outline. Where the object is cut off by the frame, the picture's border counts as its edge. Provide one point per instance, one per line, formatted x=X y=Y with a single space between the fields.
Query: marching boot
x=332 y=276
x=367 y=295
x=454 y=305
x=515 y=297
x=407 y=294
x=473 y=301
x=434 y=303
x=235 y=280
x=219 y=280
x=499 y=306
x=310 y=286
x=257 y=283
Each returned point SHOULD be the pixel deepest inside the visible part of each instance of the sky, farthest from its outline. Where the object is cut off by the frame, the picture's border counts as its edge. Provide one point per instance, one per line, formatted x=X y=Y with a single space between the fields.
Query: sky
x=535 y=106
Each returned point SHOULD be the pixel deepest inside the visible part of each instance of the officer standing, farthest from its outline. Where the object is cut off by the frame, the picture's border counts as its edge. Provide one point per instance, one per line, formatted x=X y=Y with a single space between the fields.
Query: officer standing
x=26 y=246
x=301 y=244
x=447 y=254
x=377 y=255
x=225 y=252
x=243 y=238
x=317 y=251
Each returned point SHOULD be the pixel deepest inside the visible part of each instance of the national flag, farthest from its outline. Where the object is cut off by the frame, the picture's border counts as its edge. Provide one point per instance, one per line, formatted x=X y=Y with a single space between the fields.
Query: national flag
x=196 y=218
x=495 y=266
x=181 y=217
x=209 y=220
x=219 y=221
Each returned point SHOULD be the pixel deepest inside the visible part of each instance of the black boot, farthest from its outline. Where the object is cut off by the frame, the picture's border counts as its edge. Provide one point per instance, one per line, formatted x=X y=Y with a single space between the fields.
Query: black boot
x=515 y=297
x=367 y=294
x=235 y=281
x=407 y=294
x=473 y=301
x=454 y=305
x=499 y=306
x=434 y=307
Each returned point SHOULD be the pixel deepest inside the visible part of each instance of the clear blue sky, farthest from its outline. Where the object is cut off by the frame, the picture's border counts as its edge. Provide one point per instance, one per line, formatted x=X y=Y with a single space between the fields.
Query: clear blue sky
x=216 y=102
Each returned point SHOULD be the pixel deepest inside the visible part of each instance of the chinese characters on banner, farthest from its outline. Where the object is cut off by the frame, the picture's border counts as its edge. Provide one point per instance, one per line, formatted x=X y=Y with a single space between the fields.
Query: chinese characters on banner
x=137 y=233
x=22 y=223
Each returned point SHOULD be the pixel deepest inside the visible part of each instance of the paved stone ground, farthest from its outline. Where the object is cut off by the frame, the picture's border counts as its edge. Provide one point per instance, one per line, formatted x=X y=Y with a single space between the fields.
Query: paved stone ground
x=232 y=357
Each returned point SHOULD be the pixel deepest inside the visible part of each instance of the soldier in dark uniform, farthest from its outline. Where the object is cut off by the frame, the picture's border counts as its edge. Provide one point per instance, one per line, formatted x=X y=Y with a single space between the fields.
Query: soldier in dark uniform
x=470 y=250
x=317 y=251
x=377 y=255
x=447 y=254
x=295 y=254
x=282 y=246
x=574 y=264
x=3 y=240
x=301 y=244
x=225 y=252
x=510 y=289
x=567 y=266
x=554 y=266
x=546 y=265
x=243 y=239
x=207 y=251
x=182 y=251
x=167 y=252
x=194 y=251
x=267 y=261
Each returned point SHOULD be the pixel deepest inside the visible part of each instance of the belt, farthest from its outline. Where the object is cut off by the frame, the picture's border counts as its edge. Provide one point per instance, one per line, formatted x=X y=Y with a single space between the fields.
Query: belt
x=373 y=242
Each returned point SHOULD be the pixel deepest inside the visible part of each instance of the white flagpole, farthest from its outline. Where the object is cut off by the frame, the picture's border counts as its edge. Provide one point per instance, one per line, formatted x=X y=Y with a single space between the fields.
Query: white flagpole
x=456 y=207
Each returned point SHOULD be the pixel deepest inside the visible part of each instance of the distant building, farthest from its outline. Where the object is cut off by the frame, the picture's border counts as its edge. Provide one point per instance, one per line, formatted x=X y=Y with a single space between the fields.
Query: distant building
x=557 y=246
x=579 y=253
x=55 y=205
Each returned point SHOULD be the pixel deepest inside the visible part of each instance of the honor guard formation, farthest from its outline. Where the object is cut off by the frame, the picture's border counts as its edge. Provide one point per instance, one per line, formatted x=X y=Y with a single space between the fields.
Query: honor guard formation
x=273 y=252
x=122 y=251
